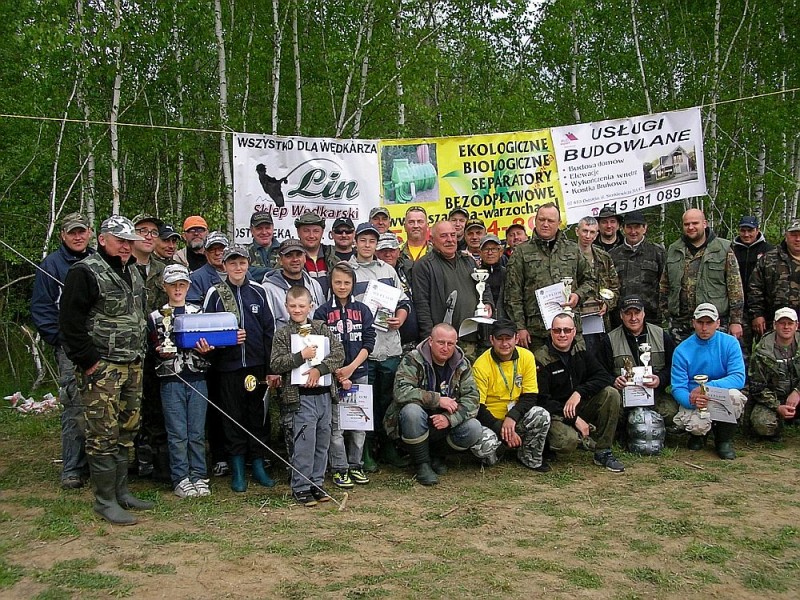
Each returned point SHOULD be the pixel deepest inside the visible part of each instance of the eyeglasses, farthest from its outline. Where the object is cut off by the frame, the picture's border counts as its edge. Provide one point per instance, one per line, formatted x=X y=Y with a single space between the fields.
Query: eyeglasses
x=491 y=250
x=343 y=231
x=151 y=233
x=196 y=230
x=562 y=330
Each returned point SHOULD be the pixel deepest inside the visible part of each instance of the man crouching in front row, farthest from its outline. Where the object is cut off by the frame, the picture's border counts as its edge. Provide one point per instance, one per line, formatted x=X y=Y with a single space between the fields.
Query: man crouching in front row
x=435 y=403
x=577 y=392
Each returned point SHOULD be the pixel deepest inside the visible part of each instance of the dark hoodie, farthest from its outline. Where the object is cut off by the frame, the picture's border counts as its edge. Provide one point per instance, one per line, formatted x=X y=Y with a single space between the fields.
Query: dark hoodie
x=747 y=256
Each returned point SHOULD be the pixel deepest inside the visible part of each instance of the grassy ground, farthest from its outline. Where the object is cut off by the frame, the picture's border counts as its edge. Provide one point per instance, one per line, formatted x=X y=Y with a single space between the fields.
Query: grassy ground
x=679 y=525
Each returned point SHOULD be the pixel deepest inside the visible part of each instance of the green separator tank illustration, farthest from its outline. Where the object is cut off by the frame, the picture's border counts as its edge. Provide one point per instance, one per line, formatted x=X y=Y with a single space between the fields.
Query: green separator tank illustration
x=409 y=178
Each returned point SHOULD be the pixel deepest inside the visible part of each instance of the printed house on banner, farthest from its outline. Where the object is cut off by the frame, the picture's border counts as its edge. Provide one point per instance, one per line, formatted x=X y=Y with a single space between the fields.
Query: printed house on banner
x=670 y=165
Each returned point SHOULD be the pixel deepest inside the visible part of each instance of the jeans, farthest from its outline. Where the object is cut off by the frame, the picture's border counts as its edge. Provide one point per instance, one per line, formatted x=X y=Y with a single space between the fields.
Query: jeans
x=415 y=423
x=347 y=447
x=184 y=418
x=311 y=424
x=73 y=451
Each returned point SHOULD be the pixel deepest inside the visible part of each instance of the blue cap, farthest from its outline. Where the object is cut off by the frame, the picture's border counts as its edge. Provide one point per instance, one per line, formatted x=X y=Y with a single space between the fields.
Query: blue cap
x=748 y=221
x=367 y=228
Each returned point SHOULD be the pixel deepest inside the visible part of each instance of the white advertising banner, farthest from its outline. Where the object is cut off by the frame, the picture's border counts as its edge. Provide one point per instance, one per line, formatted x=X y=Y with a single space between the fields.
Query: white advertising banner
x=288 y=176
x=630 y=164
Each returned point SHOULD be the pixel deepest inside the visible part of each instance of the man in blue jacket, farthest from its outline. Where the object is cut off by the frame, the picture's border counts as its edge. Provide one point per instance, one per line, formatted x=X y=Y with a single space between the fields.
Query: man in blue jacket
x=76 y=233
x=718 y=356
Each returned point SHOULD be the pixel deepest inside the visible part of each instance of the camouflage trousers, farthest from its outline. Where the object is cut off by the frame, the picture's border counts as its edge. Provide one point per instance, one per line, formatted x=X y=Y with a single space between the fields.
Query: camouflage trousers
x=601 y=412
x=765 y=421
x=532 y=428
x=695 y=423
x=112 y=398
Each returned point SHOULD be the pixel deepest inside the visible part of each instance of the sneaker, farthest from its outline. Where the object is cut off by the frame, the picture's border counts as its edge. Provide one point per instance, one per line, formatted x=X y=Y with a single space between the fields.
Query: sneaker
x=359 y=477
x=320 y=495
x=201 y=485
x=607 y=460
x=185 y=489
x=304 y=497
x=341 y=479
x=221 y=469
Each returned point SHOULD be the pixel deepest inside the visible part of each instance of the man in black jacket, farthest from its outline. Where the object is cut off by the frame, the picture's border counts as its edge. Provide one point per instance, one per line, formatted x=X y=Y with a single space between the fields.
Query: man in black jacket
x=749 y=246
x=577 y=392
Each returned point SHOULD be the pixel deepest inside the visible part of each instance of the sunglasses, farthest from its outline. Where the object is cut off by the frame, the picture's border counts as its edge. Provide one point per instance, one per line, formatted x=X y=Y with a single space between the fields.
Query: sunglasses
x=561 y=330
x=416 y=208
x=343 y=231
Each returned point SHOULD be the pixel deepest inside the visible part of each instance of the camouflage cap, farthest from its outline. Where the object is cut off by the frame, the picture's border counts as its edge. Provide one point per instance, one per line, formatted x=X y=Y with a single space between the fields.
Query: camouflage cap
x=74 y=220
x=473 y=223
x=489 y=239
x=388 y=241
x=216 y=237
x=378 y=210
x=606 y=212
x=120 y=227
x=174 y=273
x=142 y=217
x=793 y=226
x=234 y=251
x=309 y=218
x=290 y=245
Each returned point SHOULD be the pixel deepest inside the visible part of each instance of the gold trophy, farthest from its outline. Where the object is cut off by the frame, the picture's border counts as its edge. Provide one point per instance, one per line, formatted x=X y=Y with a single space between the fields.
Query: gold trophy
x=167 y=347
x=305 y=331
x=627 y=370
x=701 y=380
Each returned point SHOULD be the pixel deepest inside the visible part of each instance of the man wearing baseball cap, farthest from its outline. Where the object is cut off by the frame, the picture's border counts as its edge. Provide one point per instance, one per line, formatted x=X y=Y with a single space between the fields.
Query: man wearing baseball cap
x=76 y=233
x=210 y=273
x=749 y=246
x=343 y=232
x=103 y=331
x=166 y=244
x=319 y=257
x=459 y=217
x=380 y=219
x=718 y=357
x=775 y=281
x=195 y=230
x=264 y=249
x=775 y=377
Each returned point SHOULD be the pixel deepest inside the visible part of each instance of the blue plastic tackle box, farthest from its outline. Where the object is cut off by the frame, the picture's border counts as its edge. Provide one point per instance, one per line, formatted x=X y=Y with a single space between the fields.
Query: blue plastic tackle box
x=219 y=329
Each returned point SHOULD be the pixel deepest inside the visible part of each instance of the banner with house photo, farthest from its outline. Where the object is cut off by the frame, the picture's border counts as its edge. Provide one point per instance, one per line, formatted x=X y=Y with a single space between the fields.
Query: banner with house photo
x=289 y=175
x=630 y=164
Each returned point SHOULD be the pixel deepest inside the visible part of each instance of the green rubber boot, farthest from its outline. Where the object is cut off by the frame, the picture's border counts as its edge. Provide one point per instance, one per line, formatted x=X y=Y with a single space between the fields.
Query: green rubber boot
x=104 y=477
x=124 y=497
x=421 y=455
x=238 y=479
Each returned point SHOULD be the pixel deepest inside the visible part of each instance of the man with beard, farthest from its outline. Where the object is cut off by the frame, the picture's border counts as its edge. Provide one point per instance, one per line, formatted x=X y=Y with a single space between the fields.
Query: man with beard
x=195 y=230
x=343 y=232
x=609 y=223
x=701 y=268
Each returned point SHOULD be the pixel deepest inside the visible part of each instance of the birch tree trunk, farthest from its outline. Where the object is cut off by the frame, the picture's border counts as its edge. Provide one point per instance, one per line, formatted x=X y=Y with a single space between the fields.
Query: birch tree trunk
x=87 y=190
x=227 y=178
x=276 y=63
x=113 y=131
x=362 y=91
x=298 y=82
x=576 y=113
x=351 y=72
x=401 y=104
x=247 y=71
x=179 y=167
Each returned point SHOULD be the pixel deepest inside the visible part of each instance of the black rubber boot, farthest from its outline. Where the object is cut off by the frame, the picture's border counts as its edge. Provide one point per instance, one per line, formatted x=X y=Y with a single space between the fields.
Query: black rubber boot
x=421 y=455
x=696 y=442
x=104 y=477
x=439 y=451
x=124 y=497
x=723 y=440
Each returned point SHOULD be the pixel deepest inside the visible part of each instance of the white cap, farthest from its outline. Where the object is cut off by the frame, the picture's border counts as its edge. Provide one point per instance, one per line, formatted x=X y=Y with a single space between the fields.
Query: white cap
x=706 y=309
x=786 y=313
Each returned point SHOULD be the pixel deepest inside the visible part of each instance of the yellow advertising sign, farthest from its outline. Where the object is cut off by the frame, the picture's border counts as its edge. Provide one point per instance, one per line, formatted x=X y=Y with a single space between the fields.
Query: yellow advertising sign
x=500 y=178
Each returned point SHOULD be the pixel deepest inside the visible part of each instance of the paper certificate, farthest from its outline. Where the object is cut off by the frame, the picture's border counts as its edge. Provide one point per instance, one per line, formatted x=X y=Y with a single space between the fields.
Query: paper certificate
x=323 y=344
x=355 y=408
x=720 y=406
x=636 y=394
x=550 y=299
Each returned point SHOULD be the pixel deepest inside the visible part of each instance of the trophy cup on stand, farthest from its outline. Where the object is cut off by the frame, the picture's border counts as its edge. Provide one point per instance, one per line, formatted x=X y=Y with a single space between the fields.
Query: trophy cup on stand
x=480 y=276
x=167 y=347
x=701 y=380
x=644 y=356
x=627 y=370
x=304 y=333
x=567 y=283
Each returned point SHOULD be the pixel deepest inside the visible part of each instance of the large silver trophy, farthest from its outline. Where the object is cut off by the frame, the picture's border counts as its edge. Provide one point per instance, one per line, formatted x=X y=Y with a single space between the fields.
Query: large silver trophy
x=167 y=347
x=480 y=276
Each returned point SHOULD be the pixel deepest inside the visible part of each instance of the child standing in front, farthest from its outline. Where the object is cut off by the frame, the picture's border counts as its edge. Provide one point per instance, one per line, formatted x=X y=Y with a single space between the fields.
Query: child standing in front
x=183 y=390
x=350 y=322
x=308 y=404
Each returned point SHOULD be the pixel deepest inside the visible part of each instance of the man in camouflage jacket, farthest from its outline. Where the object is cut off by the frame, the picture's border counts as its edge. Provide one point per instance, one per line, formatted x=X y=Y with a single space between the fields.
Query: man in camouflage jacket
x=546 y=259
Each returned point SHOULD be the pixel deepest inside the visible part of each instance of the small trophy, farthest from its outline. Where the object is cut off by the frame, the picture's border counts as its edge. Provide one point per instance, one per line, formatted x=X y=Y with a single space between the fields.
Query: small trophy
x=701 y=380
x=167 y=347
x=480 y=276
x=644 y=356
x=627 y=370
x=304 y=333
x=567 y=283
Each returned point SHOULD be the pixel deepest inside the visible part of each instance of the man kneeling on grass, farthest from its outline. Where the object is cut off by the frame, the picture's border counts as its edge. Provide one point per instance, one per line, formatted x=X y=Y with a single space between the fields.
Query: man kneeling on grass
x=506 y=380
x=577 y=392
x=435 y=403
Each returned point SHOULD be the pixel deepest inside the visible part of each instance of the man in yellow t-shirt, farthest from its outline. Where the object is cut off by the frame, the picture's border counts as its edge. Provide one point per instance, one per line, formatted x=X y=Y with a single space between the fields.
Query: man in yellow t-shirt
x=506 y=379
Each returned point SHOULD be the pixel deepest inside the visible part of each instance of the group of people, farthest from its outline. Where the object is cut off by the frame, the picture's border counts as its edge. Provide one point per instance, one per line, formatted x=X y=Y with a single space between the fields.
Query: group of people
x=698 y=311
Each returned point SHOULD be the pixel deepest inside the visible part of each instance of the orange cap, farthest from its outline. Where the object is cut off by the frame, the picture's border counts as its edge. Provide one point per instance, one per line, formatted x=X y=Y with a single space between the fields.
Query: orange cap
x=194 y=221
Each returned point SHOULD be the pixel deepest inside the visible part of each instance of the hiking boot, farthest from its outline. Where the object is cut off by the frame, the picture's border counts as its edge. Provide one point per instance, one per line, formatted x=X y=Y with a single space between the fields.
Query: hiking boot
x=220 y=469
x=696 y=442
x=201 y=485
x=304 y=497
x=341 y=479
x=73 y=482
x=186 y=489
x=358 y=476
x=609 y=461
x=320 y=495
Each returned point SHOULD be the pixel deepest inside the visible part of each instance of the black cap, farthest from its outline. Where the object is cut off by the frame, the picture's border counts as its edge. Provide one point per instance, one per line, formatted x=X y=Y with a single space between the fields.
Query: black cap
x=290 y=245
x=343 y=222
x=167 y=232
x=261 y=217
x=635 y=217
x=472 y=223
x=748 y=221
x=607 y=211
x=457 y=210
x=631 y=302
x=503 y=327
